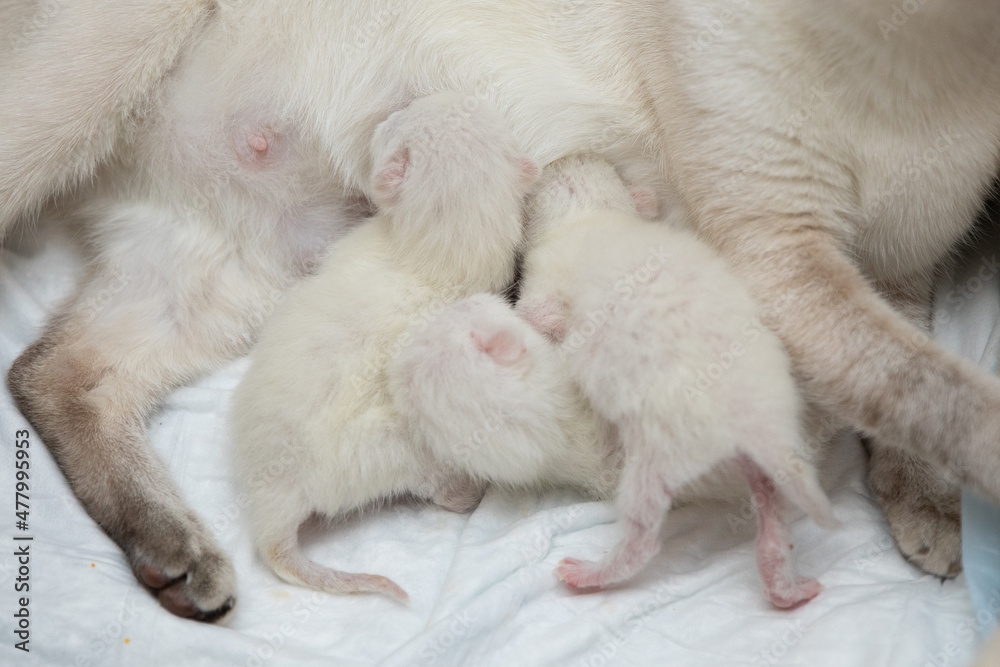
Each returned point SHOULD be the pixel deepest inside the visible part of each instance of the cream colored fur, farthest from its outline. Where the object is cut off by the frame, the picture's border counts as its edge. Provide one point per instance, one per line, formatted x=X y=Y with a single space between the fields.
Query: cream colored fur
x=490 y=397
x=831 y=162
x=449 y=181
x=668 y=346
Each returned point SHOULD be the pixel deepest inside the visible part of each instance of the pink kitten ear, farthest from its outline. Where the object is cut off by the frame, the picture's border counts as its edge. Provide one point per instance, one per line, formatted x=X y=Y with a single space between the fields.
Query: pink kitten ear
x=389 y=180
x=529 y=172
x=646 y=202
x=504 y=347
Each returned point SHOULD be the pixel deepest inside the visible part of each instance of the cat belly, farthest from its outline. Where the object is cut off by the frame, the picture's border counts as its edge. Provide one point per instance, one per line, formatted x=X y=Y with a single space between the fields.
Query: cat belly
x=245 y=101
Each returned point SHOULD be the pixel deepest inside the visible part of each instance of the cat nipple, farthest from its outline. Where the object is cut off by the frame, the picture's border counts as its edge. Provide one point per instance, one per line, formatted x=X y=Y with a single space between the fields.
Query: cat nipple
x=256 y=144
x=259 y=144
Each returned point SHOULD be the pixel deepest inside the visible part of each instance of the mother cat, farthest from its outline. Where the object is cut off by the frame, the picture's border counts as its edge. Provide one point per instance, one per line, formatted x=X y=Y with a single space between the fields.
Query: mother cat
x=833 y=150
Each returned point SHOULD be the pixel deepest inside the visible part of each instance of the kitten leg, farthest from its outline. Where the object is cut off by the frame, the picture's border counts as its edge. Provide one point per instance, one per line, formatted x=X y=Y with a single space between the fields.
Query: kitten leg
x=99 y=371
x=644 y=498
x=774 y=563
x=922 y=507
x=59 y=122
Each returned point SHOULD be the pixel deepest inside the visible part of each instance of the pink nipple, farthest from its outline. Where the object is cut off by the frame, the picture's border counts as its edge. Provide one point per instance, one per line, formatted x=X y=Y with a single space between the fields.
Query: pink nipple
x=258 y=144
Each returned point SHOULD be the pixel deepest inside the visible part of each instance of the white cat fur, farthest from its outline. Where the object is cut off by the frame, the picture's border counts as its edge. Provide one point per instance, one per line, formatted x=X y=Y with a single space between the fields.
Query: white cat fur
x=654 y=328
x=489 y=396
x=449 y=182
x=834 y=151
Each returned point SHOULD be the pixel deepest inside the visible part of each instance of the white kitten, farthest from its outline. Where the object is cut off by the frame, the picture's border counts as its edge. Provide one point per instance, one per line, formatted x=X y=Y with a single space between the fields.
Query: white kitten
x=313 y=420
x=491 y=397
x=665 y=343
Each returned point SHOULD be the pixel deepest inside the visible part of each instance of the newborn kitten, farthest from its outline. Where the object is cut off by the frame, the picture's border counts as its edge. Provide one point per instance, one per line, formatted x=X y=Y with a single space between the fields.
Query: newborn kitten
x=655 y=329
x=313 y=419
x=490 y=396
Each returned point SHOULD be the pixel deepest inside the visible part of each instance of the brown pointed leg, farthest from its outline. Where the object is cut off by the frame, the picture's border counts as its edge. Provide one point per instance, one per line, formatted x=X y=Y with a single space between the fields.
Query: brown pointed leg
x=921 y=506
x=132 y=334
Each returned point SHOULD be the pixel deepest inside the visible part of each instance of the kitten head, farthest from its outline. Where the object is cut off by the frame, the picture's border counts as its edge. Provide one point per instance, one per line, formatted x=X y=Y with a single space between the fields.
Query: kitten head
x=444 y=140
x=583 y=184
x=451 y=180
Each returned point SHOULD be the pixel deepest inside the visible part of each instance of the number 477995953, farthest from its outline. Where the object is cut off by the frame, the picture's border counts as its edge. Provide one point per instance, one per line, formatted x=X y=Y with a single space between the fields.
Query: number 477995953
x=23 y=457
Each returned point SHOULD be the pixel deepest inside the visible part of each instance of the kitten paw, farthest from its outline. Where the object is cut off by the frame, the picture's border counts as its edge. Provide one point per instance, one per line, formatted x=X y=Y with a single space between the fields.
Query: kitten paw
x=799 y=592
x=580 y=573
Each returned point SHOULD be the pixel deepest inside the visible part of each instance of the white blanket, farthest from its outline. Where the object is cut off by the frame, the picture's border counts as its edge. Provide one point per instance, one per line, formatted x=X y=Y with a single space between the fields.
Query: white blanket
x=481 y=585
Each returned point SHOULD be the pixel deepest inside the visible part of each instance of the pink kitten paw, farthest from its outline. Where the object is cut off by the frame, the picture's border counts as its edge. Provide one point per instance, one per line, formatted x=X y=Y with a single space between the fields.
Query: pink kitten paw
x=580 y=573
x=803 y=590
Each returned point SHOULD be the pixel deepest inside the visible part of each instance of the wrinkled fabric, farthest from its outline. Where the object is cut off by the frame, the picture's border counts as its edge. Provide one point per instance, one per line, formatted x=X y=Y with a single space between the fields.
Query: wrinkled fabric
x=481 y=585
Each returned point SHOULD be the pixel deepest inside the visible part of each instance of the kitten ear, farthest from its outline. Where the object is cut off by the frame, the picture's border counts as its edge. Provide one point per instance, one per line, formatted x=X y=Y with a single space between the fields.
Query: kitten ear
x=504 y=347
x=647 y=203
x=389 y=179
x=529 y=172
